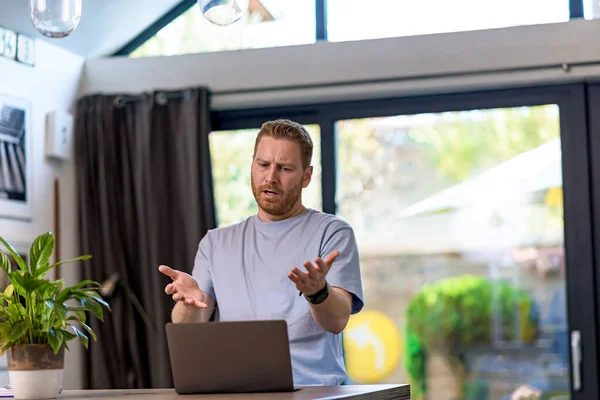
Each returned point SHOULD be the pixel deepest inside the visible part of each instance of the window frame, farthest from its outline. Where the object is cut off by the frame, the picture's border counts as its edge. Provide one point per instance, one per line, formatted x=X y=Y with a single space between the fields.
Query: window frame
x=576 y=10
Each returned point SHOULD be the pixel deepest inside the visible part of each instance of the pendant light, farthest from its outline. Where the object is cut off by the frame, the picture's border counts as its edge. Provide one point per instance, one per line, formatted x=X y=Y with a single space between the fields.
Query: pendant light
x=223 y=12
x=55 y=18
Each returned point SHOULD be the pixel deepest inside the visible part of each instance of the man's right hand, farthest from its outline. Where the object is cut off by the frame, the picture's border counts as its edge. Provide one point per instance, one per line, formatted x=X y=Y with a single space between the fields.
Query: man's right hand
x=184 y=288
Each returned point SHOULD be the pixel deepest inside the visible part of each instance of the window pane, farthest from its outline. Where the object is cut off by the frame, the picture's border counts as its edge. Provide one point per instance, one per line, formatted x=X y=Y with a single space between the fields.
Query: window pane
x=459 y=221
x=392 y=18
x=591 y=9
x=268 y=23
x=231 y=157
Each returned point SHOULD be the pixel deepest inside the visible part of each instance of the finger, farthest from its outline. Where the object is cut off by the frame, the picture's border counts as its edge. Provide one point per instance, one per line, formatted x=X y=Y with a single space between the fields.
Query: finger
x=200 y=304
x=323 y=267
x=171 y=273
x=194 y=302
x=331 y=257
x=178 y=297
x=294 y=278
x=189 y=301
x=301 y=275
x=313 y=270
x=170 y=289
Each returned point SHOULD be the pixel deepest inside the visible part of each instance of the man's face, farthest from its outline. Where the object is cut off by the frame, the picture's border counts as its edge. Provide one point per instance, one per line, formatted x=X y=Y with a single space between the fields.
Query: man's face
x=278 y=176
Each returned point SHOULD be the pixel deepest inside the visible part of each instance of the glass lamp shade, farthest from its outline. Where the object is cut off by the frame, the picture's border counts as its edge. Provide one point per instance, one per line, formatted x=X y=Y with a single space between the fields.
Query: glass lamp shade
x=55 y=18
x=223 y=12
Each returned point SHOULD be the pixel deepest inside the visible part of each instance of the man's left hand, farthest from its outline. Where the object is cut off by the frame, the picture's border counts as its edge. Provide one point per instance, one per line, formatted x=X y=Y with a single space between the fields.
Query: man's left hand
x=313 y=280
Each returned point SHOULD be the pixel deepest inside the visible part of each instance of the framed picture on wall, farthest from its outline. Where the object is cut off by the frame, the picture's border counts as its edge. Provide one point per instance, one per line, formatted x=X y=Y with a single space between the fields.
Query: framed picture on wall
x=15 y=157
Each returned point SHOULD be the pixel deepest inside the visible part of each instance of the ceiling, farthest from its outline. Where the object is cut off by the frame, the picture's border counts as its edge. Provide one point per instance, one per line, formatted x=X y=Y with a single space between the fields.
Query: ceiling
x=105 y=27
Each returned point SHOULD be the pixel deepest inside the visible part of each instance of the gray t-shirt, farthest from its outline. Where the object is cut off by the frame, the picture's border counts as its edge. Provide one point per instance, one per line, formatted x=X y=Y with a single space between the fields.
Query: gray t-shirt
x=244 y=267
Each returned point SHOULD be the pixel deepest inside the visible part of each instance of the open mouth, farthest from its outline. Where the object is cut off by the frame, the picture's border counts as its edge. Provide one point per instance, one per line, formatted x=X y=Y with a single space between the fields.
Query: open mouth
x=270 y=194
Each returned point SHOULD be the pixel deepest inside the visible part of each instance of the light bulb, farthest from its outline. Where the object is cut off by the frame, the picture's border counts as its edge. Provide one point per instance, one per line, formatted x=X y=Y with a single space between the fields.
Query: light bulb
x=55 y=18
x=223 y=12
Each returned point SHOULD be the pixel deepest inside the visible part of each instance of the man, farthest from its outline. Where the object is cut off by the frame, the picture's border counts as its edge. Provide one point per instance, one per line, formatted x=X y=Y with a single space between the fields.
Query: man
x=250 y=270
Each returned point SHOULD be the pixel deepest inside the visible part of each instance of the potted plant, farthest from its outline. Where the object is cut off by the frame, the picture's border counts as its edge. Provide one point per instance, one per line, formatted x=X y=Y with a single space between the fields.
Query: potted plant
x=39 y=316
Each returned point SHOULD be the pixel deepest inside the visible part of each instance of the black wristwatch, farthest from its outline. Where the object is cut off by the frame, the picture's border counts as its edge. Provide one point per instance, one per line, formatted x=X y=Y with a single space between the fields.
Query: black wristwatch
x=320 y=296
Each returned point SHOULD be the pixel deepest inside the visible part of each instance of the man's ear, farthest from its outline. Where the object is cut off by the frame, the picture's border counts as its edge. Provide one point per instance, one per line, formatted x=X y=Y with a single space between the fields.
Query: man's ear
x=307 y=176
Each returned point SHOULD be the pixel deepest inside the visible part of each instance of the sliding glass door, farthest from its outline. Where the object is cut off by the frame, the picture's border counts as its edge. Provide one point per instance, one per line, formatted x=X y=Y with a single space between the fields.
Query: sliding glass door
x=473 y=218
x=459 y=219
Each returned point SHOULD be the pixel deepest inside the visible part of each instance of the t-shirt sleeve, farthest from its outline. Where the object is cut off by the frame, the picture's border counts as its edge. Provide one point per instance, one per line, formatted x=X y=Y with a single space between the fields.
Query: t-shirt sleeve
x=345 y=270
x=201 y=272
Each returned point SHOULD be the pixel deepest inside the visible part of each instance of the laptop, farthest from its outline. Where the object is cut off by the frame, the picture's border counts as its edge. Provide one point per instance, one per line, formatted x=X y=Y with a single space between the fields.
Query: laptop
x=230 y=357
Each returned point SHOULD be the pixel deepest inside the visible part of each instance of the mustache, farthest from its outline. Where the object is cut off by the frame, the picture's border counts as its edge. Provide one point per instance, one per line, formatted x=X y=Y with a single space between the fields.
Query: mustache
x=269 y=188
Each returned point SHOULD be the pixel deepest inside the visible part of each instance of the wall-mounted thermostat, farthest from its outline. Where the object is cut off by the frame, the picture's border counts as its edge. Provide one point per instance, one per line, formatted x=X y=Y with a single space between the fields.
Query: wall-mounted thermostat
x=59 y=135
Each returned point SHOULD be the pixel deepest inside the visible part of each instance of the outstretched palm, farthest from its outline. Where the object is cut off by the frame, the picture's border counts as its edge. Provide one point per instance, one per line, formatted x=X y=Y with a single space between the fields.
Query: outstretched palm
x=184 y=288
x=313 y=280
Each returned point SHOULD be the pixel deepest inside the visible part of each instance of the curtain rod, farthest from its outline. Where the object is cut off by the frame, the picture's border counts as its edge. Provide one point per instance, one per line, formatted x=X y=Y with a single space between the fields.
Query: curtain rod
x=160 y=97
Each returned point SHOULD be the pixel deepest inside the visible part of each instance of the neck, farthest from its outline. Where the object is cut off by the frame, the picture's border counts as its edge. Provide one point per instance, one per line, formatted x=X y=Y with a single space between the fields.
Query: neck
x=266 y=217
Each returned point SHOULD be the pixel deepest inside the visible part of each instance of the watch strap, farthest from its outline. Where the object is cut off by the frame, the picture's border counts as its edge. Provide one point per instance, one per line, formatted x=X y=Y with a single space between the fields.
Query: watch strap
x=320 y=296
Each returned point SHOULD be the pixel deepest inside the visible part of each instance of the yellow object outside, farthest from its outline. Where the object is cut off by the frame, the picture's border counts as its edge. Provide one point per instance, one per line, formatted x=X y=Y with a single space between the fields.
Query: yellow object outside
x=372 y=346
x=554 y=197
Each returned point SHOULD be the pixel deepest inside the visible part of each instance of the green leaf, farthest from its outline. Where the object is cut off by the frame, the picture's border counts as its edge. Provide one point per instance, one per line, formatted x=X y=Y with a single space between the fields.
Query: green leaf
x=93 y=306
x=18 y=280
x=8 y=292
x=68 y=335
x=82 y=337
x=43 y=312
x=16 y=311
x=81 y=316
x=71 y=291
x=49 y=289
x=99 y=299
x=17 y=331
x=89 y=330
x=15 y=255
x=60 y=310
x=55 y=339
x=45 y=269
x=40 y=252
x=86 y=327
x=4 y=262
x=33 y=285
x=3 y=313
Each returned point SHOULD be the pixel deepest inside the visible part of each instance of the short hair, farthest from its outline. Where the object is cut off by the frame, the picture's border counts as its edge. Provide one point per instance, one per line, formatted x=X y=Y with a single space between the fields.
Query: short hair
x=288 y=130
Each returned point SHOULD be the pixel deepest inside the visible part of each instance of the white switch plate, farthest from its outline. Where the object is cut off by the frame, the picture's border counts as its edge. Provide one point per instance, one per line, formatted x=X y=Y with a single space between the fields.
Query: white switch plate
x=59 y=135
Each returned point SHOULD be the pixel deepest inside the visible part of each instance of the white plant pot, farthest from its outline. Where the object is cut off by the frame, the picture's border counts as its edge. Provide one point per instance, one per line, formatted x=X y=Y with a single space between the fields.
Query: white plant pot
x=35 y=372
x=40 y=384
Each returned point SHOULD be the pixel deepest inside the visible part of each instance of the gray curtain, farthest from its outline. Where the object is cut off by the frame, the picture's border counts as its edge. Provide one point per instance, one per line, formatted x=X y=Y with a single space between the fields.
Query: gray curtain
x=145 y=198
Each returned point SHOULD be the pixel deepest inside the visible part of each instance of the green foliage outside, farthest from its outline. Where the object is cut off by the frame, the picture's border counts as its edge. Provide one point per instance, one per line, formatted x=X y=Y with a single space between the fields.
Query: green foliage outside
x=454 y=314
x=37 y=310
x=452 y=146
x=463 y=144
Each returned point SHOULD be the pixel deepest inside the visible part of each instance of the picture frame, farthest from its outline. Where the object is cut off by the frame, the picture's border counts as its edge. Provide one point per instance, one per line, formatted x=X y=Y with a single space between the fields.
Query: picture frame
x=15 y=158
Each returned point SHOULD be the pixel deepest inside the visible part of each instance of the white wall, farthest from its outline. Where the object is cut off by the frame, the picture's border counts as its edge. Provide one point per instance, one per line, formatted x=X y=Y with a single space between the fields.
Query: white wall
x=52 y=84
x=385 y=67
